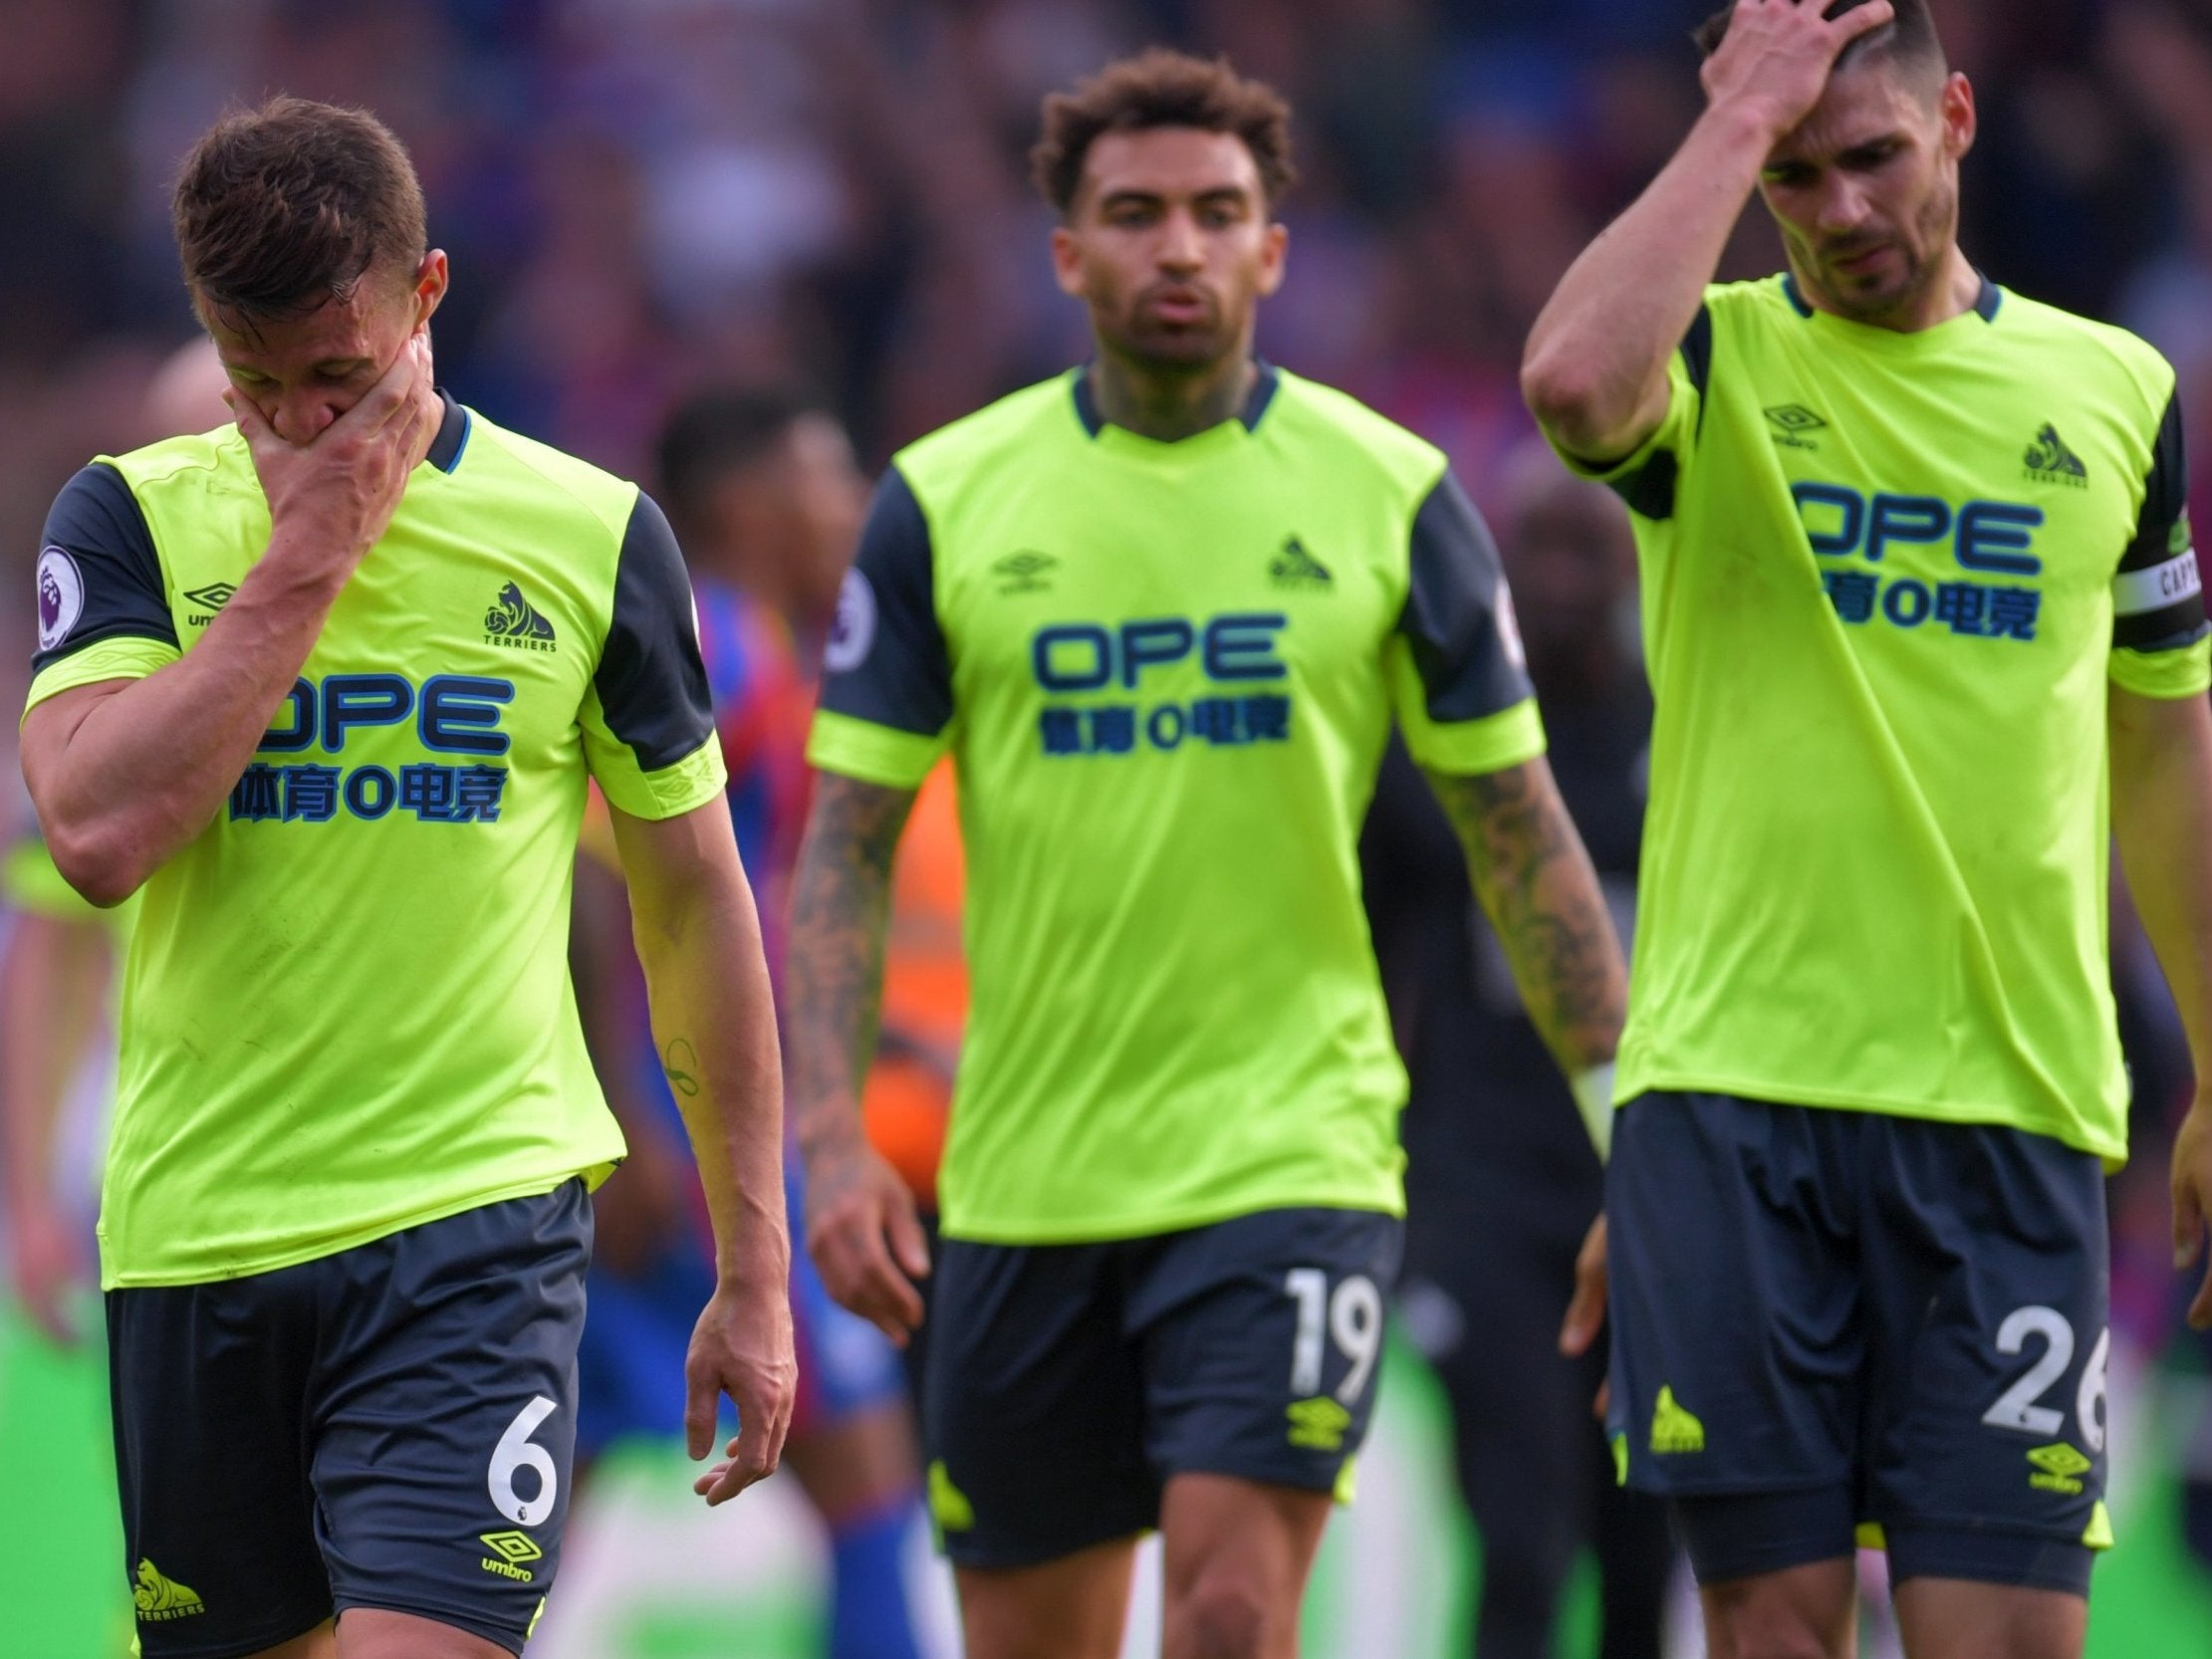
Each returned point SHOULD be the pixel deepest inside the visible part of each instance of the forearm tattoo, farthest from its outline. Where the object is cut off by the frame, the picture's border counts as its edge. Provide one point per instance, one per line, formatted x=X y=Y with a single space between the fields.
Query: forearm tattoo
x=841 y=911
x=1541 y=893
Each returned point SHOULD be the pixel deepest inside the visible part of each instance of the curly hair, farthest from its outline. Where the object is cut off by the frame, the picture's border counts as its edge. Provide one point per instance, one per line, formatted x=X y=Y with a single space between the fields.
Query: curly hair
x=281 y=208
x=1160 y=88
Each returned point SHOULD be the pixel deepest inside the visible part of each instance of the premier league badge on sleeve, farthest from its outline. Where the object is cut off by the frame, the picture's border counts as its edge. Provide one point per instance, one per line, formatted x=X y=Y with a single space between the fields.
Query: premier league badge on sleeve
x=854 y=631
x=60 y=597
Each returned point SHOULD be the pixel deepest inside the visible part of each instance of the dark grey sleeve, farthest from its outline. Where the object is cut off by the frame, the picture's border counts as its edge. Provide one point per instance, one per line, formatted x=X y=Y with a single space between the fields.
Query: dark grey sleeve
x=886 y=661
x=2158 y=597
x=1649 y=489
x=1458 y=614
x=99 y=576
x=650 y=681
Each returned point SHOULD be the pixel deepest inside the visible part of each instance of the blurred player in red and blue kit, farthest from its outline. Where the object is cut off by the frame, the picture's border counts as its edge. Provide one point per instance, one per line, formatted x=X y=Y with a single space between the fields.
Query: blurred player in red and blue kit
x=764 y=486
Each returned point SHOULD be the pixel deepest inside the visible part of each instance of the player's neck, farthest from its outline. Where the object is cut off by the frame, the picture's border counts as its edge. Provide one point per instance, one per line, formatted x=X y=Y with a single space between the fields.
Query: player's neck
x=1953 y=292
x=1174 y=404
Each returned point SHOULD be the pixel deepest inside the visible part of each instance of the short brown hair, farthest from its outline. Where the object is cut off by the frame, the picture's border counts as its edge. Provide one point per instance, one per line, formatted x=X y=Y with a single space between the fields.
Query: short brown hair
x=1910 y=38
x=1160 y=88
x=281 y=208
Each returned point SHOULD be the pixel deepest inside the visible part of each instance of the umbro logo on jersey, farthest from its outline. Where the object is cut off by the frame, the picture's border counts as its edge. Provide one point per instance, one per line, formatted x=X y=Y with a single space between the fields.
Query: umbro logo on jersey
x=1792 y=421
x=159 y=1600
x=207 y=600
x=513 y=621
x=1026 y=571
x=1293 y=567
x=2050 y=462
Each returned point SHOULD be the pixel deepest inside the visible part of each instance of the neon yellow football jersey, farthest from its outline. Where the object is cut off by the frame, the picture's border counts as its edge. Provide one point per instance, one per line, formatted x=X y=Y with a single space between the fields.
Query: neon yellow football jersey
x=1165 y=672
x=1886 y=581
x=347 y=1006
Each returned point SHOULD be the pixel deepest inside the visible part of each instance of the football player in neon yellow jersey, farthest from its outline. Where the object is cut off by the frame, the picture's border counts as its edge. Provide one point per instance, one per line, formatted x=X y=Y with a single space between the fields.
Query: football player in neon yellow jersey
x=1924 y=626
x=1161 y=612
x=326 y=686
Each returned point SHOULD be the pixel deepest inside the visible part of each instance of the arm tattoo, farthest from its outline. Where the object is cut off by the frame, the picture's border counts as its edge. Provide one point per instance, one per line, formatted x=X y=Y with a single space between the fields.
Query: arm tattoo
x=840 y=913
x=1541 y=893
x=679 y=1063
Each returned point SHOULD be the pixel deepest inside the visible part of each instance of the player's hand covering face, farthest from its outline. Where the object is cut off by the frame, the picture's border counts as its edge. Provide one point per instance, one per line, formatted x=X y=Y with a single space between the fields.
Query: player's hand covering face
x=300 y=373
x=1170 y=244
x=338 y=490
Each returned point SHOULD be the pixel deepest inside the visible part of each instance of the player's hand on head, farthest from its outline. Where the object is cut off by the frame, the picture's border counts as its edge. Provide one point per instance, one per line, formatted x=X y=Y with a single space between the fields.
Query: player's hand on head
x=2192 y=1204
x=1778 y=55
x=339 y=491
x=742 y=1346
x=866 y=1237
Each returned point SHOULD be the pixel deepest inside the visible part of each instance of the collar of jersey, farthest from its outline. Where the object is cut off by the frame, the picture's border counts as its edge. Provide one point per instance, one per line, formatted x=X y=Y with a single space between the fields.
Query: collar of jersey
x=1967 y=324
x=452 y=439
x=1264 y=384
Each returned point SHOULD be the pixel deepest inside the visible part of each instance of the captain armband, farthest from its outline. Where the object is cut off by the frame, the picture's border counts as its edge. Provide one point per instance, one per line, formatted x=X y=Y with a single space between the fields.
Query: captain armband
x=2142 y=592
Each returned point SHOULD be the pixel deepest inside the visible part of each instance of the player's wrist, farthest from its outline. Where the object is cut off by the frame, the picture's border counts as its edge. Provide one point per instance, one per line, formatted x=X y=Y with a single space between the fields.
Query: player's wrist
x=1749 y=119
x=1592 y=1086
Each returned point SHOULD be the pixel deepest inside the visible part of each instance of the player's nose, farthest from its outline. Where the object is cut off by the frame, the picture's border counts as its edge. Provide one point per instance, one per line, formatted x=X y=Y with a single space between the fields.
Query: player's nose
x=301 y=419
x=1842 y=208
x=1179 y=245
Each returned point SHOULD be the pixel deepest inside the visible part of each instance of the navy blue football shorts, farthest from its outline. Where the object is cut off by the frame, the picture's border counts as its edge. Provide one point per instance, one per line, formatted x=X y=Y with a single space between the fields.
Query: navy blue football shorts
x=388 y=1427
x=1840 y=1326
x=1066 y=1384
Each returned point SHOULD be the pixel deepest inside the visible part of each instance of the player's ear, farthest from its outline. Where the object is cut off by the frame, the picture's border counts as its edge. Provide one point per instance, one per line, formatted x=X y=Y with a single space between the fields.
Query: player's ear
x=1274 y=249
x=1067 y=261
x=1960 y=118
x=432 y=279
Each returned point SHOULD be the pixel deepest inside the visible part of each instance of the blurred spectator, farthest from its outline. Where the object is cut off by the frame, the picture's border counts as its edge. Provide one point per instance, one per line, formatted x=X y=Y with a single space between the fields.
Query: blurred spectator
x=1501 y=1179
x=766 y=500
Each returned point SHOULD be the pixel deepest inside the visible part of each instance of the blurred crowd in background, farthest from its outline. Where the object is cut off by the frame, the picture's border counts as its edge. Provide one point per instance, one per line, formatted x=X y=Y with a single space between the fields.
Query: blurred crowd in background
x=640 y=195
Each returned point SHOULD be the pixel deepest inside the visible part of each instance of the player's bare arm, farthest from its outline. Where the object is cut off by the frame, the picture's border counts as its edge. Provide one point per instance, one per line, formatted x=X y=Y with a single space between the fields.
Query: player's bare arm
x=124 y=773
x=2162 y=820
x=861 y=1228
x=698 y=939
x=53 y=980
x=1594 y=370
x=1540 y=892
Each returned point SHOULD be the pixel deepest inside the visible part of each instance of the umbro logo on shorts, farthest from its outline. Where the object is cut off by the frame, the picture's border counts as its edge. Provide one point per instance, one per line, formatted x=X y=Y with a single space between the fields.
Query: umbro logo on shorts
x=1318 y=1424
x=2059 y=1467
x=510 y=1552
